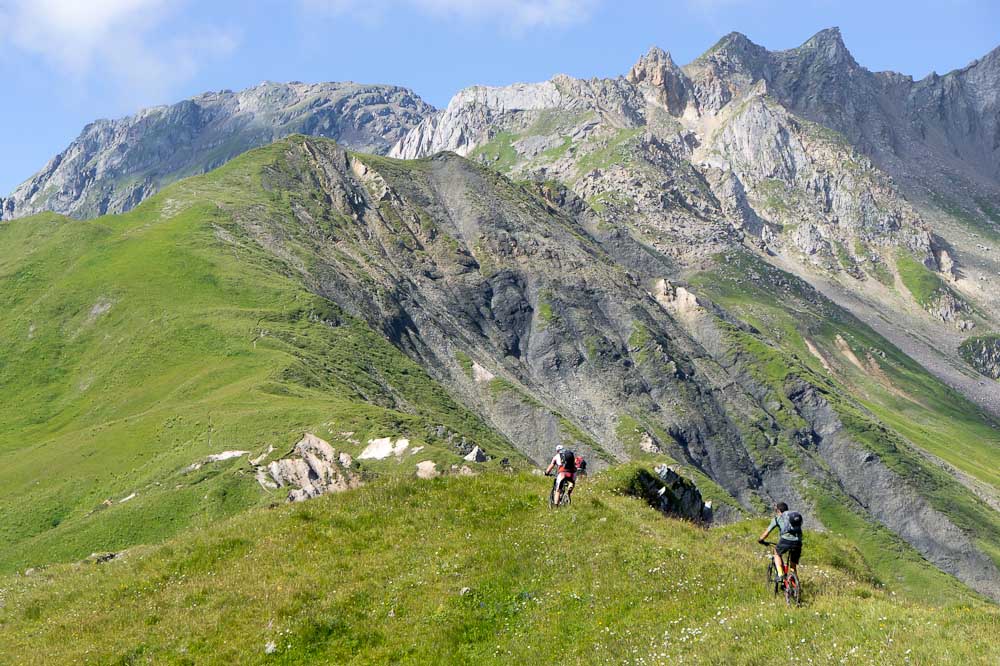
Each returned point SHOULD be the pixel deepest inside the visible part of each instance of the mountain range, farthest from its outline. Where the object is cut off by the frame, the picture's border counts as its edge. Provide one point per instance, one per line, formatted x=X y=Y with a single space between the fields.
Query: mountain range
x=774 y=271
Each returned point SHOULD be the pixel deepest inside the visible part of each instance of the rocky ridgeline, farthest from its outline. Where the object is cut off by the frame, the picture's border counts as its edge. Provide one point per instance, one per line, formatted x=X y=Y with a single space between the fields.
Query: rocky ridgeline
x=115 y=164
x=696 y=158
x=788 y=149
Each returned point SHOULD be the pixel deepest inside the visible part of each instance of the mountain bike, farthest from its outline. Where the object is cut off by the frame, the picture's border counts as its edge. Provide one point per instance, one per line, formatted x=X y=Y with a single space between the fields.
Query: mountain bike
x=565 y=493
x=790 y=583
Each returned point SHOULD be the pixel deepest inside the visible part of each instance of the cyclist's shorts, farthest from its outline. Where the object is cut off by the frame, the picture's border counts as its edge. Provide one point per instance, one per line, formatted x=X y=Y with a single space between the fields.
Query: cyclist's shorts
x=793 y=548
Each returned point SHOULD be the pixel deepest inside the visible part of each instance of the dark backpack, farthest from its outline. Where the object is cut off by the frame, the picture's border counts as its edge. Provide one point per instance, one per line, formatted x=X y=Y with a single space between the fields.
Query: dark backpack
x=568 y=460
x=794 y=519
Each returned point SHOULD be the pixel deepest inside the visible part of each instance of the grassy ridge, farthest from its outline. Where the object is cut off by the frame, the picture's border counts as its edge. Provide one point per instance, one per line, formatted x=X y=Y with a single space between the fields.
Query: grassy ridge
x=377 y=576
x=136 y=345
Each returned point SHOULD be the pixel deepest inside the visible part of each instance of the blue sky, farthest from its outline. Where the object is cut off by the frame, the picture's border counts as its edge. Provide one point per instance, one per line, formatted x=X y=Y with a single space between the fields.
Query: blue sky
x=64 y=63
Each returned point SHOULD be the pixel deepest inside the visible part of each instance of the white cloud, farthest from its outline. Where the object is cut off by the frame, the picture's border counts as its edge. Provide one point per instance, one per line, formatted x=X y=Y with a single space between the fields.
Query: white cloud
x=513 y=15
x=119 y=41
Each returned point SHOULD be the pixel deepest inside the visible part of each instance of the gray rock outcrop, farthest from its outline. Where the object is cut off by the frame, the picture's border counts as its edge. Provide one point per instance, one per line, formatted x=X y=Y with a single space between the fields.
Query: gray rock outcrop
x=670 y=493
x=313 y=469
x=983 y=353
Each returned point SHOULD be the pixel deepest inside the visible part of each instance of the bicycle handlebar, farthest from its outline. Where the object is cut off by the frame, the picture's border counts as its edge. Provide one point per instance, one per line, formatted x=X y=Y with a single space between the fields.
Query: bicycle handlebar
x=767 y=543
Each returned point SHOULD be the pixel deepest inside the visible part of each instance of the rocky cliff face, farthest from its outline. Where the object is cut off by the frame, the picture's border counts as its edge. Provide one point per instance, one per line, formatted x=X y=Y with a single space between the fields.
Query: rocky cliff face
x=115 y=164
x=518 y=300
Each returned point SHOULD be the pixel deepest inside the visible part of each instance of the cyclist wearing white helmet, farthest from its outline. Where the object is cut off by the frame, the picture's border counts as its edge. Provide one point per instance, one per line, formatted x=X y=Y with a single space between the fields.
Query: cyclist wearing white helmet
x=565 y=461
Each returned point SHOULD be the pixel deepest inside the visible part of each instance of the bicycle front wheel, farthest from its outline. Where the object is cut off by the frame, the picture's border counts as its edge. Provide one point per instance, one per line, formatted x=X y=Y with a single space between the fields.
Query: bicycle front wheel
x=772 y=575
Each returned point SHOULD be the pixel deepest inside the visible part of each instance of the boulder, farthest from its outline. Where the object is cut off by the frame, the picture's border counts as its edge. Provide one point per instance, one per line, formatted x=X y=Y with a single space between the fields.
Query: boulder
x=669 y=492
x=476 y=455
x=680 y=495
x=427 y=469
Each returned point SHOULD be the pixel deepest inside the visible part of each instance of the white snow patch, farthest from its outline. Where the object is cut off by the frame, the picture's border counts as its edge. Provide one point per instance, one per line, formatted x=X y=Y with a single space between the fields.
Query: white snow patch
x=125 y=499
x=384 y=447
x=481 y=374
x=226 y=455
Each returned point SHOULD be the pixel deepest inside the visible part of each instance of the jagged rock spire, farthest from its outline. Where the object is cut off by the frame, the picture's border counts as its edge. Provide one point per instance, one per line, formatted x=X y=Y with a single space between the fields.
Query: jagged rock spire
x=650 y=65
x=659 y=71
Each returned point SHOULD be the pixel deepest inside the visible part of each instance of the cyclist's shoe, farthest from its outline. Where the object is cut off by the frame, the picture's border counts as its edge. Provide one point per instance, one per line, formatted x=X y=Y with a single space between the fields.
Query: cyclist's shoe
x=779 y=579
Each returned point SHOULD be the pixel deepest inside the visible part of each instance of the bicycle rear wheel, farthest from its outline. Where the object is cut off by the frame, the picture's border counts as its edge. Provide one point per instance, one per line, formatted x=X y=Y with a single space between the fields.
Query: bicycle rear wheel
x=566 y=495
x=793 y=591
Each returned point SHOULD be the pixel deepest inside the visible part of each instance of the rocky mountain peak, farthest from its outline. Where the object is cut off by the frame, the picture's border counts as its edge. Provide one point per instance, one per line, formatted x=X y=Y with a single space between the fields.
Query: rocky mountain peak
x=734 y=49
x=826 y=46
x=734 y=42
x=727 y=70
x=827 y=37
x=991 y=59
x=984 y=76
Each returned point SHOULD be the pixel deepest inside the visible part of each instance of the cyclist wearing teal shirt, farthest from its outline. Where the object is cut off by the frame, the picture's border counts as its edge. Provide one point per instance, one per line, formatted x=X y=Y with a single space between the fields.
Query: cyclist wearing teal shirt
x=789 y=526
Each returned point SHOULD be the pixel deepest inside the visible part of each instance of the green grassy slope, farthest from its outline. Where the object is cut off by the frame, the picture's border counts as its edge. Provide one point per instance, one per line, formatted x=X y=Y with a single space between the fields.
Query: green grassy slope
x=135 y=345
x=377 y=576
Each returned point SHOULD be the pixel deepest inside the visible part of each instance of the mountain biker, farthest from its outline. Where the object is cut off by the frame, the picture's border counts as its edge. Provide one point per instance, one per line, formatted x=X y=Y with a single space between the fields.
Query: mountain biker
x=566 y=462
x=789 y=525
